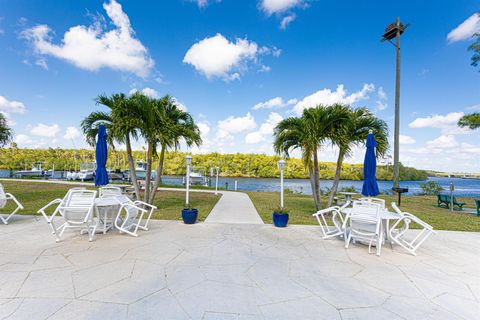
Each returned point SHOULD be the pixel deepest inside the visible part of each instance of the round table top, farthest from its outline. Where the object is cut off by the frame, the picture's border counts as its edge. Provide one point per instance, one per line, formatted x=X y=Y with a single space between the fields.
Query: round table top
x=386 y=215
x=111 y=201
x=348 y=193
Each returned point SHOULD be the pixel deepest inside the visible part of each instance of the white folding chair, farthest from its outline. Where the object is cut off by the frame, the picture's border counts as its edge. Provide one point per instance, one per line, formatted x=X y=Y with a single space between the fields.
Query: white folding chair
x=4 y=198
x=109 y=191
x=365 y=225
x=130 y=215
x=381 y=202
x=399 y=229
x=337 y=220
x=76 y=211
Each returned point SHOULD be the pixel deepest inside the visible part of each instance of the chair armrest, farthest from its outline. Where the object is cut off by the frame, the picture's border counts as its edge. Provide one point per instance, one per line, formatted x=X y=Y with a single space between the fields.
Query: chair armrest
x=145 y=204
x=42 y=210
x=132 y=205
x=12 y=197
x=326 y=210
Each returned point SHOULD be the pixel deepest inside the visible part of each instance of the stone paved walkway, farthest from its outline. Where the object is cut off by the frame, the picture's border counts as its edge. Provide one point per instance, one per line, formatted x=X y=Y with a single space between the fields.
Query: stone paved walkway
x=231 y=271
x=234 y=207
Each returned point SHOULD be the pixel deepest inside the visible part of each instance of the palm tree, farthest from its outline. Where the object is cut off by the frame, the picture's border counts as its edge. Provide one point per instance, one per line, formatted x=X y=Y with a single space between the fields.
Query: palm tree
x=308 y=133
x=180 y=126
x=471 y=121
x=121 y=122
x=6 y=134
x=353 y=132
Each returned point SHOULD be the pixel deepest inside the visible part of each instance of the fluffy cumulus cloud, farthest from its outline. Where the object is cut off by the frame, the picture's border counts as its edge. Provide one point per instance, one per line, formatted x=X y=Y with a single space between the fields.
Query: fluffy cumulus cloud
x=466 y=29
x=94 y=47
x=447 y=123
x=218 y=57
x=406 y=139
x=283 y=9
x=149 y=92
x=265 y=131
x=381 y=103
x=22 y=139
x=278 y=6
x=72 y=133
x=327 y=97
x=46 y=131
x=11 y=106
x=276 y=102
x=231 y=126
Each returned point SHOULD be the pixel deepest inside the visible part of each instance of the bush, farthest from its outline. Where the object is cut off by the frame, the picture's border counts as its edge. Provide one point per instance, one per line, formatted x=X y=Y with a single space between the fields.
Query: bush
x=431 y=188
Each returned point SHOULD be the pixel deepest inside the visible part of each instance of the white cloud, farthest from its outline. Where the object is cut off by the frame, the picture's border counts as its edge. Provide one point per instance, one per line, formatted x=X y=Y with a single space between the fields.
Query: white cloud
x=447 y=123
x=287 y=20
x=328 y=97
x=11 y=106
x=72 y=133
x=278 y=6
x=43 y=130
x=265 y=132
x=406 y=139
x=218 y=57
x=276 y=102
x=22 y=139
x=442 y=142
x=204 y=3
x=381 y=103
x=466 y=29
x=93 y=47
x=179 y=104
x=149 y=92
x=236 y=125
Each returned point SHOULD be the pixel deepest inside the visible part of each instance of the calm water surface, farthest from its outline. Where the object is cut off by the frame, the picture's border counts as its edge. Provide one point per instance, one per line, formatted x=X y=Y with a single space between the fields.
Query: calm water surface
x=463 y=187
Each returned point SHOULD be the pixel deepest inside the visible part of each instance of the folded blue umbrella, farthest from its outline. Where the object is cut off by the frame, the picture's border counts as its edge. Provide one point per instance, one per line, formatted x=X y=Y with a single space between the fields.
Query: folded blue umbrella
x=101 y=154
x=370 y=186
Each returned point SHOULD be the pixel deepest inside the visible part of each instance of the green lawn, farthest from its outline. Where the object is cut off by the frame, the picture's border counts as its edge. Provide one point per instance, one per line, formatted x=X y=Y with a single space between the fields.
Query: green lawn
x=301 y=207
x=35 y=195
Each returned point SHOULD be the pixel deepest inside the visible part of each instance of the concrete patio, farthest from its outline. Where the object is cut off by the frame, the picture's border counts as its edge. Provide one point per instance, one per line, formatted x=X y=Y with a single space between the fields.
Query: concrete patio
x=231 y=271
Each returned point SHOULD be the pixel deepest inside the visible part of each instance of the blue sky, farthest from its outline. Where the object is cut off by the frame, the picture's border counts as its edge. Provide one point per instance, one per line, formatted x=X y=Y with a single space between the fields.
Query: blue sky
x=241 y=66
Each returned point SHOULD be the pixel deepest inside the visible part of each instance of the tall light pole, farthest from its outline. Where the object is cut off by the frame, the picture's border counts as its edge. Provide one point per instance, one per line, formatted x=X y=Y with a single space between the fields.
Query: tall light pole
x=281 y=166
x=395 y=30
x=187 y=181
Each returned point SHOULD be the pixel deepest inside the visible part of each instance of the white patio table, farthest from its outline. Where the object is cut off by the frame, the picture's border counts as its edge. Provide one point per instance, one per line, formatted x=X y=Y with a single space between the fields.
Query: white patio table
x=107 y=209
x=386 y=217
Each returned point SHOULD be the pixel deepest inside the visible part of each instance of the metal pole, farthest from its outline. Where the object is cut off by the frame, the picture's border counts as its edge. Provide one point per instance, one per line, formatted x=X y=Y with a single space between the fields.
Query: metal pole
x=216 y=182
x=187 y=183
x=236 y=184
x=281 y=189
x=396 y=143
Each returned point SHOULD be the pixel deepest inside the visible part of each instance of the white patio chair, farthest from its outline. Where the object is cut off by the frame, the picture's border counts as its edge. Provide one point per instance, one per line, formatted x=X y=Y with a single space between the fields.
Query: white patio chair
x=400 y=227
x=130 y=215
x=365 y=225
x=381 y=202
x=4 y=198
x=76 y=211
x=337 y=219
x=109 y=191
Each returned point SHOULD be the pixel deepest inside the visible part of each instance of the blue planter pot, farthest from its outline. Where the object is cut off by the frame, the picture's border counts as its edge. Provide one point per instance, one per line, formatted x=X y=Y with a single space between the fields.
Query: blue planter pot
x=280 y=220
x=189 y=216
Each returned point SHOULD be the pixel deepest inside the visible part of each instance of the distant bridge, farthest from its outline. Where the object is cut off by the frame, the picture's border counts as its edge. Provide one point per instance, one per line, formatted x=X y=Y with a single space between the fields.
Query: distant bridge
x=463 y=175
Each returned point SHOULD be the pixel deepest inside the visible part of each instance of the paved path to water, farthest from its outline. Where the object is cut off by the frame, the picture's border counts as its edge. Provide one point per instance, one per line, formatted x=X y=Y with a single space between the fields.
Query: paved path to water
x=234 y=207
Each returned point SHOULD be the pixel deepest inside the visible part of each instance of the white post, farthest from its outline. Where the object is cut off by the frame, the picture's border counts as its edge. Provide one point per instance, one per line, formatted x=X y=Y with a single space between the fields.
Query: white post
x=281 y=166
x=53 y=171
x=187 y=182
x=236 y=183
x=216 y=181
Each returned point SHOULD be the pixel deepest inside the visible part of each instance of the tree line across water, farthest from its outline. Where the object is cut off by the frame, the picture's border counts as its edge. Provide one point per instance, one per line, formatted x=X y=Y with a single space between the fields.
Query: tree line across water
x=230 y=165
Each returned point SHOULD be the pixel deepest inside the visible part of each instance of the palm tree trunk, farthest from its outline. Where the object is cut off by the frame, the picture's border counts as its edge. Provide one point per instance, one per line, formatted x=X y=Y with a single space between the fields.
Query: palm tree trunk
x=316 y=174
x=148 y=177
x=131 y=165
x=158 y=178
x=312 y=184
x=336 y=180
